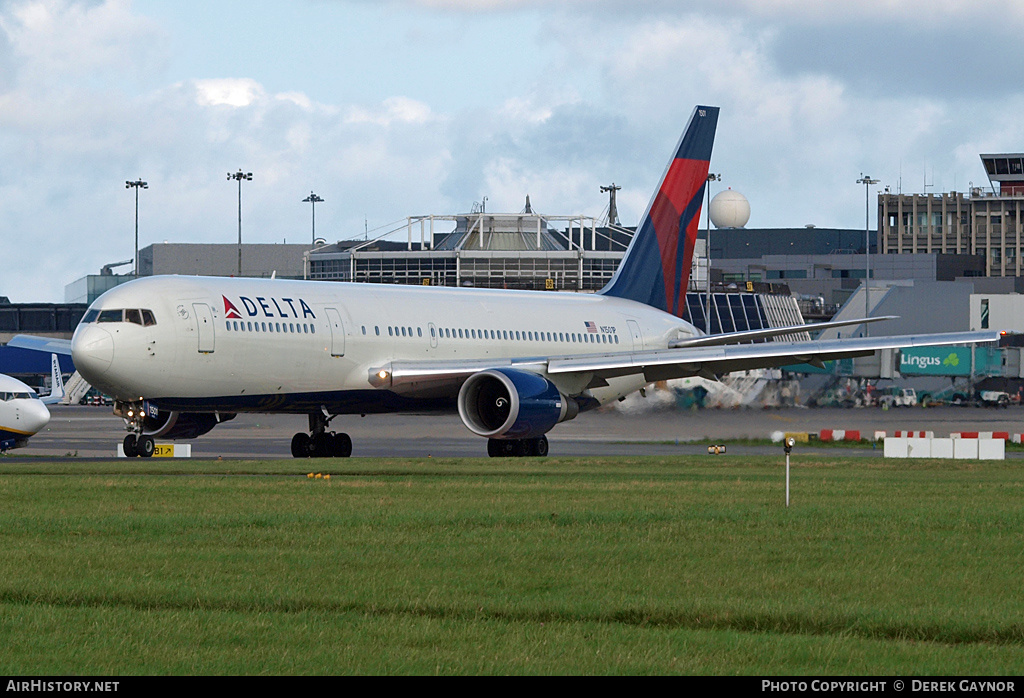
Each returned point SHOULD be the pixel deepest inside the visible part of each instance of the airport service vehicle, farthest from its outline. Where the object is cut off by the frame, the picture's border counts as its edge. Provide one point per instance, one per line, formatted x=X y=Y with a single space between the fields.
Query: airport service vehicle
x=994 y=398
x=181 y=354
x=899 y=397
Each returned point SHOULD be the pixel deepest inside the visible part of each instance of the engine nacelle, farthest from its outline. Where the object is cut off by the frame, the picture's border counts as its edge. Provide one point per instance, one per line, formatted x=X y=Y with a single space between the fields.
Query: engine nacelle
x=182 y=425
x=505 y=403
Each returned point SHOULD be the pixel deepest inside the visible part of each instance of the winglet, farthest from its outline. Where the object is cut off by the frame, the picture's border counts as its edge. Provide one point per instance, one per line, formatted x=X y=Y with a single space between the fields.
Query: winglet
x=656 y=267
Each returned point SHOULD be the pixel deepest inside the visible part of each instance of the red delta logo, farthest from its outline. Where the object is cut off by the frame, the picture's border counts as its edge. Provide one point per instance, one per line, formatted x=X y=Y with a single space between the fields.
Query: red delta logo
x=230 y=311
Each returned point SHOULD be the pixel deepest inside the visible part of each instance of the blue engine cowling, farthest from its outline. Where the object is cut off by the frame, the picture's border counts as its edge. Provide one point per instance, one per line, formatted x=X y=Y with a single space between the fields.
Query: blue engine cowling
x=506 y=403
x=181 y=425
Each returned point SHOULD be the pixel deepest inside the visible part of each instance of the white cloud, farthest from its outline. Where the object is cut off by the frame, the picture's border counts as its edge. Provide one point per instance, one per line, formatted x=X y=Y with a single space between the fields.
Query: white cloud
x=232 y=92
x=56 y=41
x=393 y=110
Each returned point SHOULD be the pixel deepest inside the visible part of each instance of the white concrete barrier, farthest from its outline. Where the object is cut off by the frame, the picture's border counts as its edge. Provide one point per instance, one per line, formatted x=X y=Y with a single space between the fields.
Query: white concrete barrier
x=991 y=449
x=965 y=449
x=895 y=447
x=960 y=448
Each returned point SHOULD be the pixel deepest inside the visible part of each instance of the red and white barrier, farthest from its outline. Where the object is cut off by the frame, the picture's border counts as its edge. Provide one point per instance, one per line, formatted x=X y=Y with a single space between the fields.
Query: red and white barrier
x=1004 y=435
x=839 y=435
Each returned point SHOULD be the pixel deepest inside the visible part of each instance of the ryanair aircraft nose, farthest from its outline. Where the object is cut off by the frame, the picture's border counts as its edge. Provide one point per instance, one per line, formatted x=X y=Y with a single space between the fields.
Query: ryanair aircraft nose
x=92 y=350
x=33 y=415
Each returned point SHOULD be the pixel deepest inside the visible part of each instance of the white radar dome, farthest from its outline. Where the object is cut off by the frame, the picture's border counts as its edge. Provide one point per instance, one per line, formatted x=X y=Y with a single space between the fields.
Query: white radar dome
x=729 y=209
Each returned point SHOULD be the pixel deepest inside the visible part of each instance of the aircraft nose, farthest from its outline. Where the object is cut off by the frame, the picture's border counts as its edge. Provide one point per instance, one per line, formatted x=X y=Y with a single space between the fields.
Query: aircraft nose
x=34 y=416
x=92 y=350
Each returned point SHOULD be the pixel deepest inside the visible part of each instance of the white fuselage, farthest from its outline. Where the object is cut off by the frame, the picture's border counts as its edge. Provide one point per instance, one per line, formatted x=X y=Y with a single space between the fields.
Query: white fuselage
x=22 y=413
x=289 y=346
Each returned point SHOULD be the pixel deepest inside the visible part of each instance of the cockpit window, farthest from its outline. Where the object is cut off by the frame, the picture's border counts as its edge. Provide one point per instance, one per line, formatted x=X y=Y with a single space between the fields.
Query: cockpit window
x=7 y=397
x=134 y=315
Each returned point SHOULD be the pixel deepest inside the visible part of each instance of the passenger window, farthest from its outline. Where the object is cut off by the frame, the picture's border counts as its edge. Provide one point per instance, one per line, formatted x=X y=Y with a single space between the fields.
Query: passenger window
x=376 y=328
x=419 y=331
x=364 y=329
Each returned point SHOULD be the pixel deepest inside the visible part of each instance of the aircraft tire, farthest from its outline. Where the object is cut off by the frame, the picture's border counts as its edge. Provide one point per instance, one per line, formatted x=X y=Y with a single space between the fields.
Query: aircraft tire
x=503 y=448
x=145 y=447
x=129 y=444
x=322 y=445
x=342 y=446
x=539 y=446
x=301 y=446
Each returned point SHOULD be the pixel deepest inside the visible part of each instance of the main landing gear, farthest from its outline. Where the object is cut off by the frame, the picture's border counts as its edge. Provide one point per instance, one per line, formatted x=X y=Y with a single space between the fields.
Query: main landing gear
x=511 y=448
x=320 y=443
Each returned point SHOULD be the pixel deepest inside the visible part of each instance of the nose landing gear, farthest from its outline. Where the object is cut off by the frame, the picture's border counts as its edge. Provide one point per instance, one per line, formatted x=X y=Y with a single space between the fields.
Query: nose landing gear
x=135 y=443
x=140 y=445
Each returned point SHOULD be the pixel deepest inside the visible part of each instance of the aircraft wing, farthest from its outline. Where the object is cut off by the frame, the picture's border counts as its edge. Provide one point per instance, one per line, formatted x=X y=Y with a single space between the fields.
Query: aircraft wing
x=712 y=361
x=665 y=364
x=50 y=345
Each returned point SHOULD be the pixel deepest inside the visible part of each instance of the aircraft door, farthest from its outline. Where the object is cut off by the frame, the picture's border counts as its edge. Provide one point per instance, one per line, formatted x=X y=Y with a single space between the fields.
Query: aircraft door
x=634 y=331
x=433 y=335
x=204 y=324
x=337 y=332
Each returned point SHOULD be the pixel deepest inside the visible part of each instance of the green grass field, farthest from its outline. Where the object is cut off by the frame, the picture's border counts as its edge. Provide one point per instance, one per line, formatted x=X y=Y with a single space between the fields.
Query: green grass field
x=550 y=566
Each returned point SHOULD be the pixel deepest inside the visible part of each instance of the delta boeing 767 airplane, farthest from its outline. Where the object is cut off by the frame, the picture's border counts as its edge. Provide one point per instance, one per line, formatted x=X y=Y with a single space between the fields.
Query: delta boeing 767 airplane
x=181 y=354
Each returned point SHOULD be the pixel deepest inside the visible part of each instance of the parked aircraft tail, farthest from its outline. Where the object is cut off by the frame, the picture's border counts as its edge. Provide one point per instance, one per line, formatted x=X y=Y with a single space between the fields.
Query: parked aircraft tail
x=56 y=383
x=656 y=267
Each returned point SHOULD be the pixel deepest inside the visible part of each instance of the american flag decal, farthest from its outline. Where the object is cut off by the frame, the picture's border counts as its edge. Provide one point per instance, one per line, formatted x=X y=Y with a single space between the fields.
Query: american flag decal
x=591 y=327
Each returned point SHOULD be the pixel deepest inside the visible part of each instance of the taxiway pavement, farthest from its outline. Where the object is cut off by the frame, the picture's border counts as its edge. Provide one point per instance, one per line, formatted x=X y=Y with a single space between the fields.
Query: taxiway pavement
x=93 y=432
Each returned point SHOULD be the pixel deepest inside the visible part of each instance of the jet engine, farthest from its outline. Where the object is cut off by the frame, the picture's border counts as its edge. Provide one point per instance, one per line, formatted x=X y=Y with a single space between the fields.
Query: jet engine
x=182 y=425
x=505 y=403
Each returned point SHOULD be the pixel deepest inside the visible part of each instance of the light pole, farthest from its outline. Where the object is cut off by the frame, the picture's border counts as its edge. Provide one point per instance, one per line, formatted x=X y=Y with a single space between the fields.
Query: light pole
x=240 y=176
x=707 y=318
x=137 y=184
x=867 y=182
x=314 y=200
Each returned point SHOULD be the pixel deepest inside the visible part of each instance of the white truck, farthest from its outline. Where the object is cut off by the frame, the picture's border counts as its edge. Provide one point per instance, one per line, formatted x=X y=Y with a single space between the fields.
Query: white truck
x=899 y=397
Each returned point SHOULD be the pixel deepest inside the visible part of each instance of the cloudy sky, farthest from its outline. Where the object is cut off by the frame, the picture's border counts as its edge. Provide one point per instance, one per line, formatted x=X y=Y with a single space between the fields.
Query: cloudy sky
x=409 y=107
